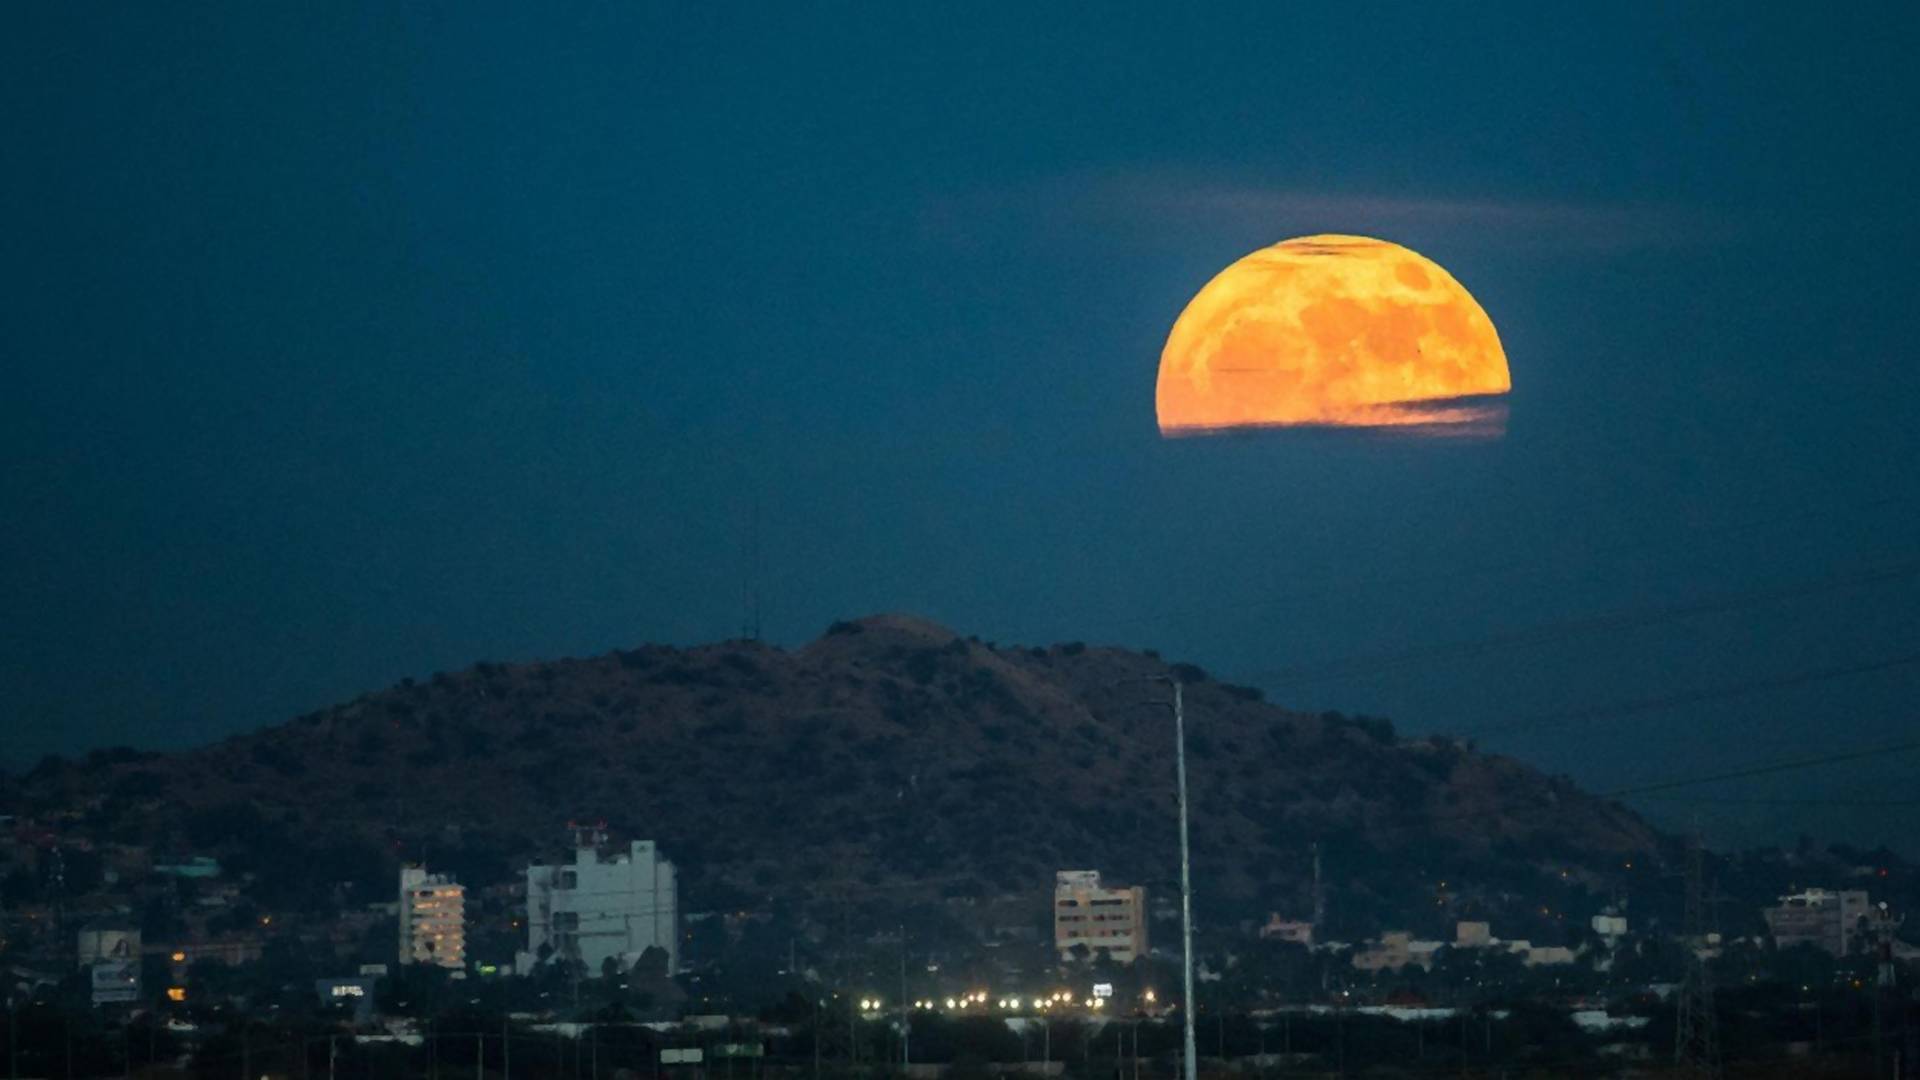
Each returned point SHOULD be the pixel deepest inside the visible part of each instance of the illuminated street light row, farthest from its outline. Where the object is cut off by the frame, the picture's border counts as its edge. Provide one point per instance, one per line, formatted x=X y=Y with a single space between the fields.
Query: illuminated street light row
x=1060 y=999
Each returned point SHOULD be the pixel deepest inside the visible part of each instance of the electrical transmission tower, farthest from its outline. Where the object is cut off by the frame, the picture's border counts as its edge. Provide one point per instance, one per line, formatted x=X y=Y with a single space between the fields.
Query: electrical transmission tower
x=1882 y=926
x=1696 y=1047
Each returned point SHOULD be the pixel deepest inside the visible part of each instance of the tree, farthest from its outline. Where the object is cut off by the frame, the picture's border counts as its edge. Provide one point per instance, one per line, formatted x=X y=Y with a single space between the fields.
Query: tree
x=652 y=963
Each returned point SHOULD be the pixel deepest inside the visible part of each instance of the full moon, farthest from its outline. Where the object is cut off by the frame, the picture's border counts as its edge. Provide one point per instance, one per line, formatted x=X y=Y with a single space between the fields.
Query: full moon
x=1335 y=331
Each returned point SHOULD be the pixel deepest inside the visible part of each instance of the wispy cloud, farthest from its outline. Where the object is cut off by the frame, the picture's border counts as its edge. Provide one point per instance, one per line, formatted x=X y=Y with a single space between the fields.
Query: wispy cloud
x=1177 y=204
x=1478 y=417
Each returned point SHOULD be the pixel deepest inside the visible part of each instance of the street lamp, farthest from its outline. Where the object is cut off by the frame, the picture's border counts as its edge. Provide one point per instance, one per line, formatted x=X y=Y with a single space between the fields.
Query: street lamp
x=1186 y=873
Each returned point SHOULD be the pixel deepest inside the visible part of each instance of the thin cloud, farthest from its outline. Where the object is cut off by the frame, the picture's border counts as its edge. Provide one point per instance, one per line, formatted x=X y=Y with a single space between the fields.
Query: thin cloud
x=1146 y=204
x=1474 y=418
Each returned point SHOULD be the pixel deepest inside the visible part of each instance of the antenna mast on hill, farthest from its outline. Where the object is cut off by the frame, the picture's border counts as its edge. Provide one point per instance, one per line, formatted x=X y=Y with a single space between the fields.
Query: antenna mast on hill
x=1319 y=895
x=1319 y=909
x=750 y=586
x=57 y=891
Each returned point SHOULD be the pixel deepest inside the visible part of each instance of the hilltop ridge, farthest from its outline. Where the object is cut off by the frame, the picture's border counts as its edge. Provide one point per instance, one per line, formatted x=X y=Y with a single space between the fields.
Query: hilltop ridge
x=890 y=755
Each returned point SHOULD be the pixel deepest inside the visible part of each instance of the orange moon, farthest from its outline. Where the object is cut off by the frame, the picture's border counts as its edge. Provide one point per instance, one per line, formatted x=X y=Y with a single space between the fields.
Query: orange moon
x=1337 y=331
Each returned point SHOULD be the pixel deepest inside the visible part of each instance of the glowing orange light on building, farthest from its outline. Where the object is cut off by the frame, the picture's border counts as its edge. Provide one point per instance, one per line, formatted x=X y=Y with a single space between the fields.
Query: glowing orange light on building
x=176 y=993
x=1329 y=330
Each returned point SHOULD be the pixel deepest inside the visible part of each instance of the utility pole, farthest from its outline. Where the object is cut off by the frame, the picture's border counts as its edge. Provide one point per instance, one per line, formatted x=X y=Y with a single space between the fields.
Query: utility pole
x=1192 y=1054
x=1696 y=1049
x=906 y=1018
x=1186 y=878
x=332 y=1055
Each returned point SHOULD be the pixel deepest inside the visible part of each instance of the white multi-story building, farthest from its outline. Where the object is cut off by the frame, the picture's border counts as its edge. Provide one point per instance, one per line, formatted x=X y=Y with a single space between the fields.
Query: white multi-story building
x=1831 y=921
x=433 y=919
x=1085 y=913
x=602 y=907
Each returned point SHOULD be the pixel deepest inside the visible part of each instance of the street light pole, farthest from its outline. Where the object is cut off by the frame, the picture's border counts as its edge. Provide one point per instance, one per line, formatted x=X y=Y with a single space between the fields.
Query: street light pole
x=906 y=1017
x=1186 y=868
x=1186 y=878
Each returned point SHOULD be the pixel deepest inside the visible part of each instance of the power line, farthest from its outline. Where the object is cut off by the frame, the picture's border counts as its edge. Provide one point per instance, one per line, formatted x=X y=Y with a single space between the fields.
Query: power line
x=1504 y=566
x=1691 y=538
x=1715 y=801
x=1695 y=697
x=1570 y=629
x=1768 y=769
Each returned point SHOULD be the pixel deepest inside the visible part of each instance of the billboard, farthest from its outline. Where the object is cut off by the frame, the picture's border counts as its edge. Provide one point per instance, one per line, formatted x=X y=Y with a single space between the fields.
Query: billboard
x=353 y=997
x=116 y=982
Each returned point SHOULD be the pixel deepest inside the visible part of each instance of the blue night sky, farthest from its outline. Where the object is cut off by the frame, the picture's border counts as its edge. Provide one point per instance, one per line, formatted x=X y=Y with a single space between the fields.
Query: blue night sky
x=344 y=343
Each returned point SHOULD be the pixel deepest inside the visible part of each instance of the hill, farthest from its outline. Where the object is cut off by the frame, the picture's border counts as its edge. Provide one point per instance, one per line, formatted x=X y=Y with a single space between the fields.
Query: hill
x=891 y=757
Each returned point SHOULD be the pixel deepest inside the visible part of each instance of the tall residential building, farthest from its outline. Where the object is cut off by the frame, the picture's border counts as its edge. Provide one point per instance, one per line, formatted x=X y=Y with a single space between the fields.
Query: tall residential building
x=1085 y=913
x=433 y=919
x=103 y=942
x=1830 y=921
x=602 y=907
